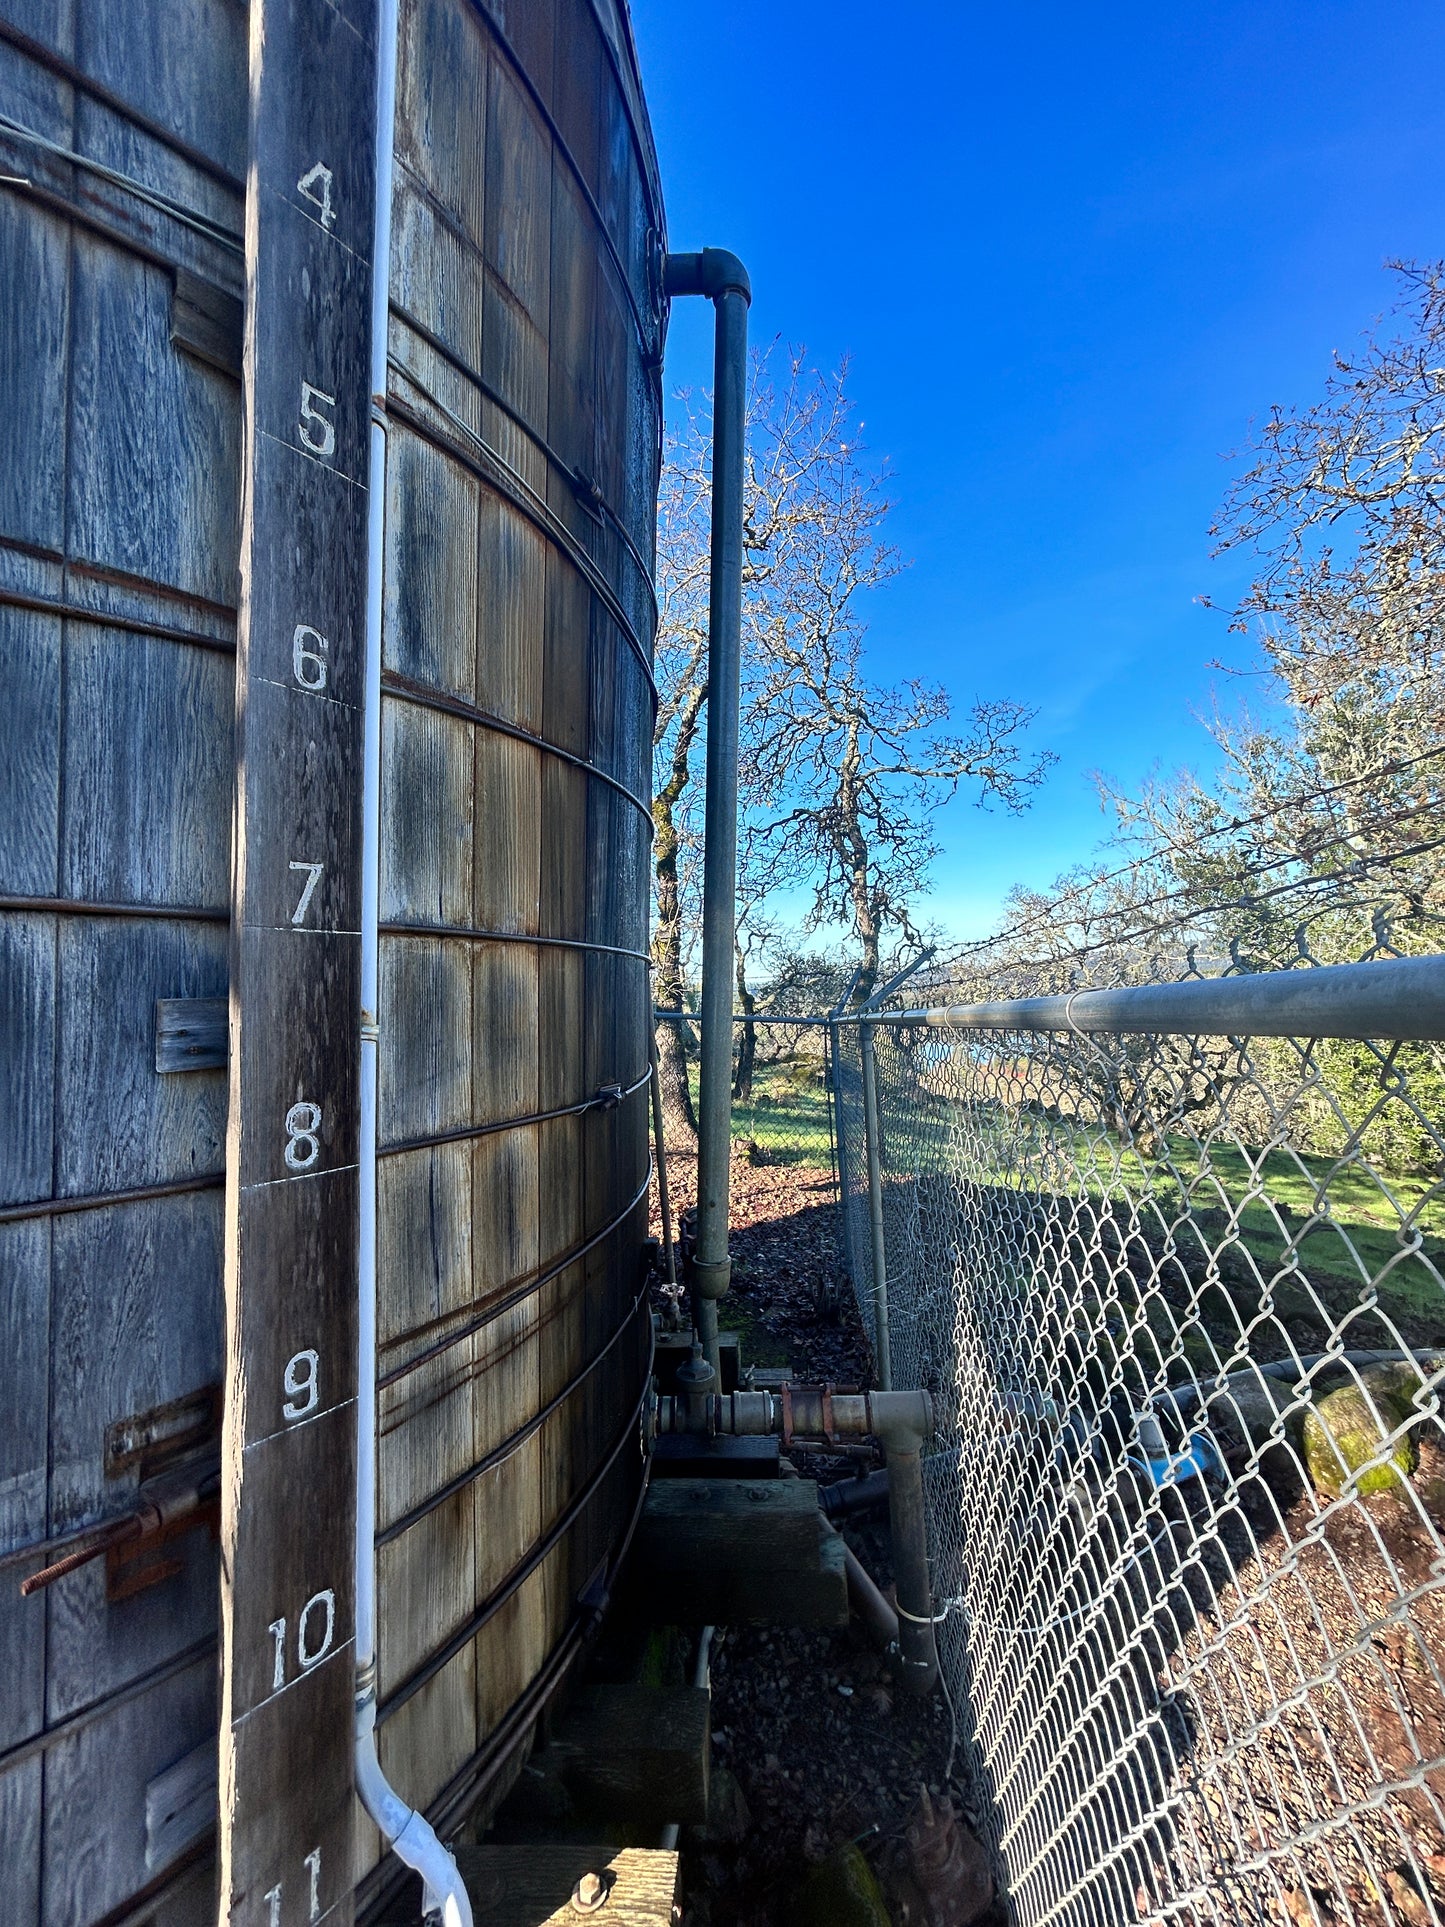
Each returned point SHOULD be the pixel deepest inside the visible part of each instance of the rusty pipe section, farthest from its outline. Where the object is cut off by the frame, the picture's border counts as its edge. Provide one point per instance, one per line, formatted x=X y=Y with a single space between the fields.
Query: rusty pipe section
x=901 y=1421
x=165 y=1501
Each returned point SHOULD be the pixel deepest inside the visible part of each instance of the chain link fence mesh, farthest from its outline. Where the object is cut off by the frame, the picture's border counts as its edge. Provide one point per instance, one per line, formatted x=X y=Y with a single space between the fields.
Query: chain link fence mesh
x=1180 y=1300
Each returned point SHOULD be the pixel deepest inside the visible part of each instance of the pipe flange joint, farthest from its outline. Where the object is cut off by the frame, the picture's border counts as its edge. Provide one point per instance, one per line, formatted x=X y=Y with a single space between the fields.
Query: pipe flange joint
x=711 y=1277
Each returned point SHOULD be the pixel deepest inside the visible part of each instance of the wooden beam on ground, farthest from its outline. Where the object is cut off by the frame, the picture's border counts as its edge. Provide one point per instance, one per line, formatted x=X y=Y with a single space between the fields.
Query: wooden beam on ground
x=732 y=1552
x=635 y=1753
x=532 y=1886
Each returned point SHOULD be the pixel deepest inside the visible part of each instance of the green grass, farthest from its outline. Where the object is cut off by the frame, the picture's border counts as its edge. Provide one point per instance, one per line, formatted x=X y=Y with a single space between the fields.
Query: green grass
x=787 y=1114
x=1217 y=1197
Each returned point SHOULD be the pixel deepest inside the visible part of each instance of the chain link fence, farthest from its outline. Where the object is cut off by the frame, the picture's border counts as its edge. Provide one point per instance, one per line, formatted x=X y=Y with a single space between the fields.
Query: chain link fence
x=1178 y=1291
x=1178 y=1286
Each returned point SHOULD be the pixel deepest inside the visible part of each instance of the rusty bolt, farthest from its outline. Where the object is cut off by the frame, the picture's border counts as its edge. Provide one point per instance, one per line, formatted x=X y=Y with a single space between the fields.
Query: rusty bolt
x=590 y=1894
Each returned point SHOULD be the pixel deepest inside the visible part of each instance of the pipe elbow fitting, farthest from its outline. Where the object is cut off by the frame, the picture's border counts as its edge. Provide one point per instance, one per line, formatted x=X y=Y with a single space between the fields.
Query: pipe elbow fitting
x=710 y=272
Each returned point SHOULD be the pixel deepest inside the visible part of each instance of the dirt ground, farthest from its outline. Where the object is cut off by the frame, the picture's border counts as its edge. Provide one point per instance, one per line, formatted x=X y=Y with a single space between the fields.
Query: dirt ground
x=807 y=1726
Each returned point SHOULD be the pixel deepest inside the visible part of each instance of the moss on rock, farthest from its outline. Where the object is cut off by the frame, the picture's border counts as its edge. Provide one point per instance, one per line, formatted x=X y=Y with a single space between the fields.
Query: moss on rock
x=1349 y=1427
x=841 y=1891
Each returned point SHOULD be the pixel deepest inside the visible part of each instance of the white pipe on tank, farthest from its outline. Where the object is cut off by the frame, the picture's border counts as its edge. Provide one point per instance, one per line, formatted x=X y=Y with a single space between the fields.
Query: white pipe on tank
x=407 y=1831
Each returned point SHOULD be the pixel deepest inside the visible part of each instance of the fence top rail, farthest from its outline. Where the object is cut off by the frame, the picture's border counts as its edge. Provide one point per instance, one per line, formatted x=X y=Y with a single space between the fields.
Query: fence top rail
x=1392 y=998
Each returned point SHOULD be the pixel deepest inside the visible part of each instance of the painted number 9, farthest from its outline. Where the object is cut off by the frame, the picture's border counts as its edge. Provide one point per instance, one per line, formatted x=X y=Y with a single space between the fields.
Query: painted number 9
x=303 y=1146
x=303 y=1394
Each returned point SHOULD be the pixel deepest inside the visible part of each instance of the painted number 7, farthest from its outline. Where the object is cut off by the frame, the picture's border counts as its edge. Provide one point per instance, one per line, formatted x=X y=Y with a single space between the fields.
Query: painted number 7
x=312 y=873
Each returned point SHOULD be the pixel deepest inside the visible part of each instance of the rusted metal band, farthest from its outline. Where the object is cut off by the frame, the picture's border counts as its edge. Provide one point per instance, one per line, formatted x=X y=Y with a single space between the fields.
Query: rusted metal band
x=518 y=1576
x=605 y=1099
x=786 y=1399
x=76 y=907
x=466 y=932
x=203 y=1651
x=141 y=1194
x=407 y=690
x=498 y=1306
x=517 y=1439
x=132 y=625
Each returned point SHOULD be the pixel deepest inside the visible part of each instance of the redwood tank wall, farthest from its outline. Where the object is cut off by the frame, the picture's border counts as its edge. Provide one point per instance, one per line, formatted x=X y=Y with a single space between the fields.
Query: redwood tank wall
x=524 y=407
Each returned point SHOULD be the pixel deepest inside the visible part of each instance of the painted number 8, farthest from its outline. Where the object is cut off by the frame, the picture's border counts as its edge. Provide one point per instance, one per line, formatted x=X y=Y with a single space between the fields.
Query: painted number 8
x=303 y=1146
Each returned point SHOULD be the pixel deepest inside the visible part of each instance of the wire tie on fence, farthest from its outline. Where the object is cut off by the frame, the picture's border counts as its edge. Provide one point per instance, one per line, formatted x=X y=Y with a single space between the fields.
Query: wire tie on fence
x=930 y=1619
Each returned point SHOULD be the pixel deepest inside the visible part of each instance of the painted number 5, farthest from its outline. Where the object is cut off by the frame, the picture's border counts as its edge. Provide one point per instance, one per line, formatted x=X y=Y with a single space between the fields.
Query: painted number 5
x=316 y=429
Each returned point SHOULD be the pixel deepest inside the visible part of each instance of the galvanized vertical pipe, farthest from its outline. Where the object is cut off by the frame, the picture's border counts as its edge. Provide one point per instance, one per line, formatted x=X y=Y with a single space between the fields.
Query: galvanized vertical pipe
x=882 y=1350
x=722 y=278
x=917 y=1647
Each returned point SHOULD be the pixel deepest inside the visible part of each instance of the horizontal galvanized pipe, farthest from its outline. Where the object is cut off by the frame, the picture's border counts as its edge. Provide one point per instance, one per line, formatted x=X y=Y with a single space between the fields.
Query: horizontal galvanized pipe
x=1391 y=998
x=902 y=1420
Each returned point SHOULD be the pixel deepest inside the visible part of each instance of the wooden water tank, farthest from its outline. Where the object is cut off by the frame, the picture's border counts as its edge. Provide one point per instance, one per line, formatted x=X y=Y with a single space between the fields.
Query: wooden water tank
x=152 y=1267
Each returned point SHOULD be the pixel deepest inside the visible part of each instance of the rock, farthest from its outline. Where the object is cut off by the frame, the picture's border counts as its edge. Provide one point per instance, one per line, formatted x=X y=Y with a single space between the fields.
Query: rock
x=1342 y=1433
x=841 y=1891
x=728 y=1818
x=948 y=1863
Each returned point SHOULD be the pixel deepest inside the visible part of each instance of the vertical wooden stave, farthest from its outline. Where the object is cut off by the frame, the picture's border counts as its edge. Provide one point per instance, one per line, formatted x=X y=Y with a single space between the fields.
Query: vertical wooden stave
x=289 y=1441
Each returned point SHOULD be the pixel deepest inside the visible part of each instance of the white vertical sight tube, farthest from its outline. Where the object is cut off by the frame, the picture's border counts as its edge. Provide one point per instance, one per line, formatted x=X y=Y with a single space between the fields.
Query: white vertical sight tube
x=405 y=1830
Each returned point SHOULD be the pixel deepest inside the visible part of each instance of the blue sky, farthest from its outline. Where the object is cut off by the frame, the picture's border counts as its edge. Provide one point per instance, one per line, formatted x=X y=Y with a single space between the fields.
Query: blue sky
x=1072 y=251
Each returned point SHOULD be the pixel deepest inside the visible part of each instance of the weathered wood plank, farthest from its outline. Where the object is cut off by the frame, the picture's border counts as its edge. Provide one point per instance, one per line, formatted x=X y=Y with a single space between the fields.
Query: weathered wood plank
x=192 y=1033
x=27 y=1055
x=155 y=461
x=636 y=1753
x=533 y=1886
x=30 y=768
x=135 y=1323
x=117 y=1123
x=34 y=332
x=287 y=1805
x=432 y=513
x=427 y=766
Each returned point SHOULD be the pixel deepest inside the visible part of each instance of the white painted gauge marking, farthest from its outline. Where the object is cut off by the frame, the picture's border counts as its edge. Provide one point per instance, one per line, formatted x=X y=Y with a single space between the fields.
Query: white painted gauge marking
x=308 y=656
x=308 y=1655
x=322 y=177
x=316 y=430
x=273 y=1906
x=308 y=889
x=303 y=1393
x=277 y=1630
x=303 y=1146
x=312 y=1864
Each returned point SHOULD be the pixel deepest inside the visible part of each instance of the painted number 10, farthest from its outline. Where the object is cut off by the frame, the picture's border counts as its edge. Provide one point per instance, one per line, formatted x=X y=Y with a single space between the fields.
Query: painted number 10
x=315 y=1634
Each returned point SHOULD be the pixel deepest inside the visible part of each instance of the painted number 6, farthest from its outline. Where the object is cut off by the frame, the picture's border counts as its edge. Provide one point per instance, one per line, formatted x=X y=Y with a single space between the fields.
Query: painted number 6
x=308 y=656
x=303 y=1146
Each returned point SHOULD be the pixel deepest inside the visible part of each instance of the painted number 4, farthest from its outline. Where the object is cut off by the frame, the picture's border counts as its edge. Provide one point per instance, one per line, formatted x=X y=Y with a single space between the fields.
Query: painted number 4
x=315 y=186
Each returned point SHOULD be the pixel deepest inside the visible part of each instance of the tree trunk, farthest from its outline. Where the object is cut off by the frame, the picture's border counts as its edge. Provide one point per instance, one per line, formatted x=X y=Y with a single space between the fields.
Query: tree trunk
x=672 y=1038
x=748 y=1044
